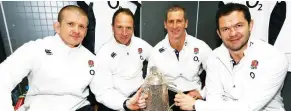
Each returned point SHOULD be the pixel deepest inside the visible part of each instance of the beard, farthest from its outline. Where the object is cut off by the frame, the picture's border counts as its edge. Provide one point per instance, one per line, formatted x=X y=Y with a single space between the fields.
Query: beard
x=237 y=47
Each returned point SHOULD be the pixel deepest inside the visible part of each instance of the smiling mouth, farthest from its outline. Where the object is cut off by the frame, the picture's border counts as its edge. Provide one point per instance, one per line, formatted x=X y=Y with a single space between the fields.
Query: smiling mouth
x=235 y=39
x=124 y=38
x=75 y=37
x=175 y=31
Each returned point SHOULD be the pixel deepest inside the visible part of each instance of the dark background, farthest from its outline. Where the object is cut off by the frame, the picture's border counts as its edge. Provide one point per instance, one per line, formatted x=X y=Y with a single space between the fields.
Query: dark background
x=30 y=20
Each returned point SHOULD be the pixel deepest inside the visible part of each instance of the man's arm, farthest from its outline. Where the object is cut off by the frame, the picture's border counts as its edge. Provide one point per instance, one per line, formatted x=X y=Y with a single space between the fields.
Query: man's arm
x=206 y=51
x=148 y=50
x=12 y=71
x=102 y=86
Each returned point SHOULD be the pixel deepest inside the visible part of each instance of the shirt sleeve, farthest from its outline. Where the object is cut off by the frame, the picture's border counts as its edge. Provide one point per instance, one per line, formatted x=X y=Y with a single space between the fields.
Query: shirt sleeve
x=205 y=54
x=149 y=49
x=102 y=85
x=12 y=71
x=259 y=92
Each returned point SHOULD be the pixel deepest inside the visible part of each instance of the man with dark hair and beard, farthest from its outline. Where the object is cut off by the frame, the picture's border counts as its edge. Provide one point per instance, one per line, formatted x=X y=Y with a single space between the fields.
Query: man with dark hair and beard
x=242 y=74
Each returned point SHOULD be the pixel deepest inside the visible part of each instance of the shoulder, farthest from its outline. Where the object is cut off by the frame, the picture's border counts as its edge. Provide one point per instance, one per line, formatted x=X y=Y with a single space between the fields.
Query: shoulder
x=159 y=47
x=140 y=42
x=264 y=47
x=86 y=52
x=217 y=51
x=197 y=42
x=38 y=43
x=267 y=51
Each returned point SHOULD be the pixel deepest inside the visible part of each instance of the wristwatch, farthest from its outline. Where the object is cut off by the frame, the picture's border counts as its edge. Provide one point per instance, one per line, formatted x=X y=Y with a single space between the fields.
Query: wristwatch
x=124 y=106
x=193 y=107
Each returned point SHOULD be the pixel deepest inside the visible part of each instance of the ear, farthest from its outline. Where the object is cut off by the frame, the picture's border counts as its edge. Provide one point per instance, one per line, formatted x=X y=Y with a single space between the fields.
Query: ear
x=251 y=25
x=57 y=27
x=165 y=24
x=112 y=27
x=218 y=33
x=186 y=22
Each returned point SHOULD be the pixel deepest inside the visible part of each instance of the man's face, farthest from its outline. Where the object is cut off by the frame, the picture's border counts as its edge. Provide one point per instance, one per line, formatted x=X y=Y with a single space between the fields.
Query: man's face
x=123 y=28
x=234 y=30
x=176 y=25
x=73 y=27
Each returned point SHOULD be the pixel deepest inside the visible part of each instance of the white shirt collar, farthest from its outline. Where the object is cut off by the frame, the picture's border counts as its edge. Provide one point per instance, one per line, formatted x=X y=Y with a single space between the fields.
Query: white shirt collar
x=61 y=44
x=122 y=45
x=168 y=46
x=225 y=55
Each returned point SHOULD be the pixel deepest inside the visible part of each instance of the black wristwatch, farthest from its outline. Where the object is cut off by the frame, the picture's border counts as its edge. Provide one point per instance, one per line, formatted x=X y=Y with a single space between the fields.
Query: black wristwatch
x=124 y=105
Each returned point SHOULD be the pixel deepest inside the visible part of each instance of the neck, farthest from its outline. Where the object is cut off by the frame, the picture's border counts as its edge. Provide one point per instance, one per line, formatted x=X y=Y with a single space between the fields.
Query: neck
x=126 y=44
x=237 y=55
x=177 y=43
x=70 y=45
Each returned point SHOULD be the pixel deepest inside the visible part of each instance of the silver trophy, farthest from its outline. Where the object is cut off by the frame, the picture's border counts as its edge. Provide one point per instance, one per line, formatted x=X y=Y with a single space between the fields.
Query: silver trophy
x=156 y=87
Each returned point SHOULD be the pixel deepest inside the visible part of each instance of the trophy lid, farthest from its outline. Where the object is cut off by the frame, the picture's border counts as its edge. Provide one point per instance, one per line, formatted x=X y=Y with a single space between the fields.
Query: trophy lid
x=155 y=77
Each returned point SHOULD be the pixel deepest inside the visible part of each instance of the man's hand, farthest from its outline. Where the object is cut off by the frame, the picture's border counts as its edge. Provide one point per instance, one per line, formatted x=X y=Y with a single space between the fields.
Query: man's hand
x=142 y=101
x=137 y=101
x=195 y=94
x=185 y=102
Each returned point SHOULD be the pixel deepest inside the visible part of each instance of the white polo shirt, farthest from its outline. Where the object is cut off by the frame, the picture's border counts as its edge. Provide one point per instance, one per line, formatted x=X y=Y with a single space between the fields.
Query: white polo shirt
x=185 y=71
x=254 y=84
x=119 y=71
x=58 y=76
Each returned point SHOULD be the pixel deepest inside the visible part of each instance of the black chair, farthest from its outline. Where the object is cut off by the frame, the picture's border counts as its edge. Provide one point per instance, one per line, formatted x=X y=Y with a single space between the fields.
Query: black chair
x=286 y=92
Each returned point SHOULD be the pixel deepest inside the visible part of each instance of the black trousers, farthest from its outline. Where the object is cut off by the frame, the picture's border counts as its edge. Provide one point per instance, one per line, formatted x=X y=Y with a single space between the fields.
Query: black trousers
x=102 y=107
x=85 y=108
x=286 y=92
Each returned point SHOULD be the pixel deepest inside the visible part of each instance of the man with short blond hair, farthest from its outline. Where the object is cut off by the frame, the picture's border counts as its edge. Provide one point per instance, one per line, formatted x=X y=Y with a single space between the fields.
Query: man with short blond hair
x=59 y=68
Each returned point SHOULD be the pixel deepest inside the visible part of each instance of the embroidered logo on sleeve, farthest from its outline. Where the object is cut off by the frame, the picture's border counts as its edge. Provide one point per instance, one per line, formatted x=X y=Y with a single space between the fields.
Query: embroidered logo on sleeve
x=48 y=52
x=113 y=54
x=161 y=50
